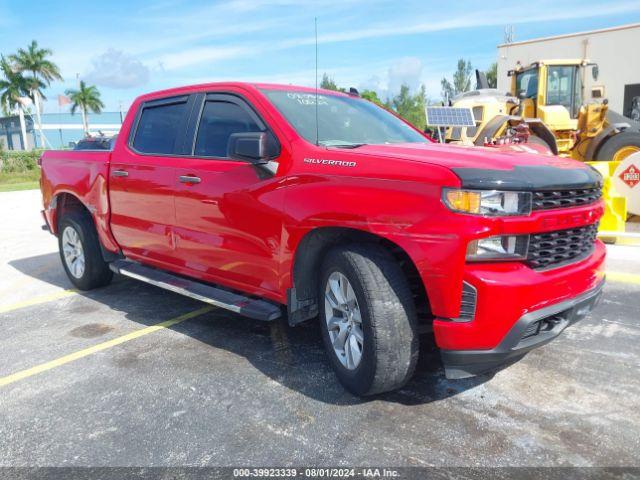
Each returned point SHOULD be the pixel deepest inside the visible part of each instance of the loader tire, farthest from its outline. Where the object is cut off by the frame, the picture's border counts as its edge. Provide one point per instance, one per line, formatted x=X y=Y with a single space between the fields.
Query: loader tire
x=620 y=146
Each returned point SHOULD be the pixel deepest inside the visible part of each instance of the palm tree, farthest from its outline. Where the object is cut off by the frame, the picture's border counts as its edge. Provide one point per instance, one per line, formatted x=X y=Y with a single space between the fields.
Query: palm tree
x=13 y=87
x=86 y=98
x=43 y=71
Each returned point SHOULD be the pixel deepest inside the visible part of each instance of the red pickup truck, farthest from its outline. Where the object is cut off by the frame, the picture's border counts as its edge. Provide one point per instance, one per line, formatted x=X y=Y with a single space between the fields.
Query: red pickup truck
x=278 y=201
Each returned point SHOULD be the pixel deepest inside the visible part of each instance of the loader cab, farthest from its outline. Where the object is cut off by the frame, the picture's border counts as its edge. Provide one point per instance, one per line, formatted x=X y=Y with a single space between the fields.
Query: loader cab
x=564 y=87
x=551 y=91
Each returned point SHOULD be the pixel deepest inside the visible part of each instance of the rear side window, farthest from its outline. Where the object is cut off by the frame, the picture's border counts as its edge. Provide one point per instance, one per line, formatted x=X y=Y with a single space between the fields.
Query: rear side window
x=159 y=128
x=220 y=120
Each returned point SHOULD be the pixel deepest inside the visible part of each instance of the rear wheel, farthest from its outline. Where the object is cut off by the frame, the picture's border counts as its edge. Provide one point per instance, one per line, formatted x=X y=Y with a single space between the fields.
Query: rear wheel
x=619 y=147
x=368 y=319
x=80 y=252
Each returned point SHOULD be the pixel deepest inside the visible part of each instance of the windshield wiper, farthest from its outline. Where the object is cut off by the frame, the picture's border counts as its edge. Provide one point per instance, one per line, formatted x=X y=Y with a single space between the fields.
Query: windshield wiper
x=348 y=145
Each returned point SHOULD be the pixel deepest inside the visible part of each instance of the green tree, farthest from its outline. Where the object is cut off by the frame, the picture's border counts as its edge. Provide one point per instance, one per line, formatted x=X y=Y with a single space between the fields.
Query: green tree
x=35 y=61
x=329 y=84
x=13 y=86
x=87 y=99
x=492 y=75
x=411 y=107
x=372 y=96
x=461 y=80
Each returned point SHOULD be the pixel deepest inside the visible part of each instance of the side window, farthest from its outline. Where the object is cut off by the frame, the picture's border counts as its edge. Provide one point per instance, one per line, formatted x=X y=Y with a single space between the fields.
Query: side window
x=219 y=120
x=527 y=81
x=159 y=127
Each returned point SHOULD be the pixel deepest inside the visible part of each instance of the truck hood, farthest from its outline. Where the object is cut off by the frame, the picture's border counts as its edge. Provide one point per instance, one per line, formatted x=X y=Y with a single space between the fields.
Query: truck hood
x=516 y=167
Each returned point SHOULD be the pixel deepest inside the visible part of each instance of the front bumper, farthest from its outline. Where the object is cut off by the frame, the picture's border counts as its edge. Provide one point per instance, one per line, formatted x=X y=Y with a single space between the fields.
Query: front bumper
x=532 y=330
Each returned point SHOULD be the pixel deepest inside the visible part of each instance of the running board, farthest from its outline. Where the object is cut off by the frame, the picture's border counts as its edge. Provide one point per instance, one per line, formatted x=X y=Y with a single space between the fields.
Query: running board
x=249 y=307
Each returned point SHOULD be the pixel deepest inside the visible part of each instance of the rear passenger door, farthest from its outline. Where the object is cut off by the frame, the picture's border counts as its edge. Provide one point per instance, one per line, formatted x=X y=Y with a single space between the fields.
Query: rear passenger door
x=228 y=212
x=143 y=180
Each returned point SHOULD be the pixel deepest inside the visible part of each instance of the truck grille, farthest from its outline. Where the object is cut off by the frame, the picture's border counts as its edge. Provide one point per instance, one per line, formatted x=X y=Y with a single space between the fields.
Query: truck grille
x=553 y=249
x=548 y=199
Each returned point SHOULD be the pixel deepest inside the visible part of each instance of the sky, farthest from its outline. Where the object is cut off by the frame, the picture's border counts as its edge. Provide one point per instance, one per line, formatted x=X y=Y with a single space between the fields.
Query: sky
x=129 y=47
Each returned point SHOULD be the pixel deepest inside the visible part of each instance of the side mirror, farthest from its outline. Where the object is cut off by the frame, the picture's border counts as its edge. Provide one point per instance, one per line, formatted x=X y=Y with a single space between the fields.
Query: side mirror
x=254 y=147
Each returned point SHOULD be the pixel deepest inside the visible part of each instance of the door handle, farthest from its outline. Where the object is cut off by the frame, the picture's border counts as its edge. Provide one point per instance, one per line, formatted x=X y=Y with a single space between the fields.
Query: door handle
x=120 y=173
x=189 y=179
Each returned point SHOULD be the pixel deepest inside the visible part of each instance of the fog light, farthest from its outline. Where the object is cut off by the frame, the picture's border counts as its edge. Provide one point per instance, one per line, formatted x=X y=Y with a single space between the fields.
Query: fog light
x=504 y=247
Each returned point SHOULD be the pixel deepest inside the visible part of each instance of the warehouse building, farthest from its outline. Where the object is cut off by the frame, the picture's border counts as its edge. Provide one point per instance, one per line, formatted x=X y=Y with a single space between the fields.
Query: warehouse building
x=60 y=130
x=612 y=49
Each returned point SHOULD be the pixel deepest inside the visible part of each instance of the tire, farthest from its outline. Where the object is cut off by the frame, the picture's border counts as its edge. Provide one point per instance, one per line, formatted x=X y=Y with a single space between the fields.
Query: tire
x=95 y=271
x=388 y=324
x=617 y=142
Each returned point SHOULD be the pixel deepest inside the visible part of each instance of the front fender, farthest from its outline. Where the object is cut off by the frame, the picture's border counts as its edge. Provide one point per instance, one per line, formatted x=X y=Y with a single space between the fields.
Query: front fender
x=406 y=213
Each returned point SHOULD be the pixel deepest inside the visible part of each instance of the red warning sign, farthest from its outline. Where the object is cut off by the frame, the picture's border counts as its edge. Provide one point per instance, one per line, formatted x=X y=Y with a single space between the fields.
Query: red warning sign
x=631 y=175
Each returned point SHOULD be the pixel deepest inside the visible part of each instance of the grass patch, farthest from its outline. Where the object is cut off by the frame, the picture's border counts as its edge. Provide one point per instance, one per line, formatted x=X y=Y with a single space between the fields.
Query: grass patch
x=13 y=181
x=19 y=170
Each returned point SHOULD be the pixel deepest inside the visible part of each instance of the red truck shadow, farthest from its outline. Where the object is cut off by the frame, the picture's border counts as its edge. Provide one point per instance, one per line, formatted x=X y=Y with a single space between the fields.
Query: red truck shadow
x=291 y=356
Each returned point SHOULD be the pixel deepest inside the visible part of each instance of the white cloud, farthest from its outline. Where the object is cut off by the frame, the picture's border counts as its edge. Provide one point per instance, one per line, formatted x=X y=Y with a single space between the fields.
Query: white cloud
x=403 y=71
x=407 y=71
x=117 y=69
x=193 y=56
x=486 y=18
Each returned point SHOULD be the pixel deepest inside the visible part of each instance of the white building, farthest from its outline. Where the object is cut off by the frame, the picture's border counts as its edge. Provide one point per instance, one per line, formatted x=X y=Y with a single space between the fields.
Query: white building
x=615 y=50
x=60 y=130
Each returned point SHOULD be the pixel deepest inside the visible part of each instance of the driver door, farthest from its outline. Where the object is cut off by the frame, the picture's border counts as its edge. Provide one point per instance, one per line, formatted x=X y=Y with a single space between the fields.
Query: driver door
x=228 y=212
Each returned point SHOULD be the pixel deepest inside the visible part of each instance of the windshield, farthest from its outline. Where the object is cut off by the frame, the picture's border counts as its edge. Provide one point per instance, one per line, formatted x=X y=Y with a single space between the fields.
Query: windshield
x=564 y=88
x=342 y=121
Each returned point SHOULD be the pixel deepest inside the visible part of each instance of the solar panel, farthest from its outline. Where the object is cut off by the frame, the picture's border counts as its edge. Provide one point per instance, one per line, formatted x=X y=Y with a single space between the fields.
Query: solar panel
x=450 y=117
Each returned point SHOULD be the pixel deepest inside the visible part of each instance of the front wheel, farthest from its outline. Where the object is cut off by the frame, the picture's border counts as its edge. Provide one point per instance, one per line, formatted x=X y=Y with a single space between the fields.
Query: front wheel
x=368 y=319
x=80 y=252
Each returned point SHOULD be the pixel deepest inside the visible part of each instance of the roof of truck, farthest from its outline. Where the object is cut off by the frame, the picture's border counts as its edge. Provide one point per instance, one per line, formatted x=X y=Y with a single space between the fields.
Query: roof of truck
x=238 y=85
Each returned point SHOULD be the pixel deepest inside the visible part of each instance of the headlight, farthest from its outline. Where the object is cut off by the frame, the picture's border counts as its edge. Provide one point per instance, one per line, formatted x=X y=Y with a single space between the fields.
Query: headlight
x=506 y=247
x=487 y=202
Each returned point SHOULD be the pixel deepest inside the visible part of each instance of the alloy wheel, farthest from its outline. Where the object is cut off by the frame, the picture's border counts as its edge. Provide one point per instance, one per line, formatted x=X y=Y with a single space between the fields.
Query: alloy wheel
x=344 y=320
x=73 y=252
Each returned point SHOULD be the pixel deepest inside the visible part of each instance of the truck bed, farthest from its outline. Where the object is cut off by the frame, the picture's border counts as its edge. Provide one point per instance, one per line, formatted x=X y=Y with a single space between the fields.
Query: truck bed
x=83 y=174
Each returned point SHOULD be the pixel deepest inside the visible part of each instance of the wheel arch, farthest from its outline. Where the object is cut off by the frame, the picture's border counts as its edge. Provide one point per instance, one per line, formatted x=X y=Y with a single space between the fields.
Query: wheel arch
x=302 y=297
x=536 y=126
x=65 y=201
x=598 y=141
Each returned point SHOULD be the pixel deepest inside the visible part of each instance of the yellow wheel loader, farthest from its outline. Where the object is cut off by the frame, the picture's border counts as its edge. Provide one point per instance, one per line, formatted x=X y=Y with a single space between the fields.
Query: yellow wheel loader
x=550 y=101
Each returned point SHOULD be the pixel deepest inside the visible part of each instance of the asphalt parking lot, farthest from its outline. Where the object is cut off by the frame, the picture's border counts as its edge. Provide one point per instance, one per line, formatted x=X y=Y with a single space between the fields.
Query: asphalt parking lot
x=131 y=375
